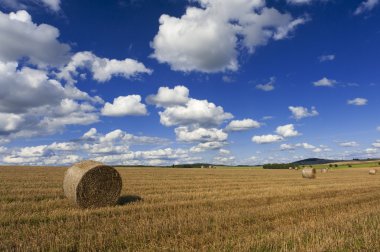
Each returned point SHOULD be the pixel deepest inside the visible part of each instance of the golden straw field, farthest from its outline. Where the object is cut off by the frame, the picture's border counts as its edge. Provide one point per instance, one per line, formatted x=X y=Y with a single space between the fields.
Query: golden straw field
x=195 y=210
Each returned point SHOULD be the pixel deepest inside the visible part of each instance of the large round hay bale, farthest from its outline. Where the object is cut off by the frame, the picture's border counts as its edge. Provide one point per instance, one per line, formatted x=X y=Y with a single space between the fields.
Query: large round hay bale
x=324 y=170
x=309 y=173
x=372 y=172
x=92 y=184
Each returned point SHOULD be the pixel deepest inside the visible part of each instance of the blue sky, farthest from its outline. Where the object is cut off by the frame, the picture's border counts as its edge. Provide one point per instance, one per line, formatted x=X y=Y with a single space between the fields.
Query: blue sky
x=166 y=82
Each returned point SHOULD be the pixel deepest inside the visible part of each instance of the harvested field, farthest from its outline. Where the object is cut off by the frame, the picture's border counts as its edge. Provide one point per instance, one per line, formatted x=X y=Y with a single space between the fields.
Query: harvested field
x=195 y=210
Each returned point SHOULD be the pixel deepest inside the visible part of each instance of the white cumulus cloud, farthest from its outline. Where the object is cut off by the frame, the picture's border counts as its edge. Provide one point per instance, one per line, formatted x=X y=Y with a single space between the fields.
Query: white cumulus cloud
x=9 y=122
x=200 y=135
x=34 y=88
x=302 y=112
x=358 y=102
x=287 y=131
x=325 y=82
x=194 y=112
x=376 y=144
x=21 y=38
x=102 y=69
x=202 y=147
x=349 y=144
x=265 y=139
x=267 y=86
x=125 y=105
x=206 y=38
x=371 y=151
x=242 y=125
x=286 y=147
x=167 y=97
x=306 y=146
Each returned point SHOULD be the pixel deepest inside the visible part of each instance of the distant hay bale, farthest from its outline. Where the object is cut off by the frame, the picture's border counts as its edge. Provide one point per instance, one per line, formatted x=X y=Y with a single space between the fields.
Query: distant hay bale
x=324 y=170
x=309 y=173
x=296 y=168
x=372 y=172
x=290 y=168
x=92 y=184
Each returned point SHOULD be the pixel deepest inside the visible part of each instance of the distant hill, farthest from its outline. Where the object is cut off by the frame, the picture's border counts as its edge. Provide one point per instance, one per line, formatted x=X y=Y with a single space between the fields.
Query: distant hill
x=314 y=161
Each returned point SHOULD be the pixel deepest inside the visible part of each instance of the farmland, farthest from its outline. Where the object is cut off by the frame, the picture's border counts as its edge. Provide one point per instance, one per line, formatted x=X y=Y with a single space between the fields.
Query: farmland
x=226 y=209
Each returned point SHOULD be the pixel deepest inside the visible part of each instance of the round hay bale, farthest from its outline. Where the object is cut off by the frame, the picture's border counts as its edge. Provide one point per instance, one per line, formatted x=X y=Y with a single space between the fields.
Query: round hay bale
x=372 y=172
x=92 y=184
x=309 y=173
x=324 y=170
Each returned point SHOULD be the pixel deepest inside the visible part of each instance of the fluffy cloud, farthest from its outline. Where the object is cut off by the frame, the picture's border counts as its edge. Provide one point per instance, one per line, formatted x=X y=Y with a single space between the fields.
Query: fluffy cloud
x=195 y=112
x=121 y=137
x=328 y=57
x=265 y=139
x=358 y=102
x=324 y=82
x=302 y=112
x=349 y=144
x=225 y=160
x=34 y=88
x=33 y=102
x=184 y=43
x=286 y=147
x=167 y=97
x=366 y=6
x=267 y=86
x=305 y=146
x=376 y=144
x=41 y=105
x=287 y=131
x=9 y=122
x=371 y=151
x=152 y=157
x=207 y=146
x=224 y=152
x=282 y=132
x=197 y=119
x=42 y=47
x=113 y=147
x=125 y=105
x=102 y=69
x=69 y=112
x=200 y=135
x=3 y=149
x=48 y=119
x=242 y=125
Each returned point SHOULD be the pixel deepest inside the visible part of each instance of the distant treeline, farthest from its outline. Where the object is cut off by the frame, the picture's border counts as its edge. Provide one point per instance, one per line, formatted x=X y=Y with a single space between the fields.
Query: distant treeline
x=279 y=166
x=197 y=165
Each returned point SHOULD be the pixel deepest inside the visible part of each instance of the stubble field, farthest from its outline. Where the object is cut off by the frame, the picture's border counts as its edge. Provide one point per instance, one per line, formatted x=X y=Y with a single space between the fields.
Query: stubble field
x=195 y=210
